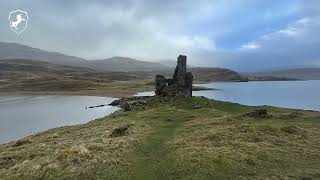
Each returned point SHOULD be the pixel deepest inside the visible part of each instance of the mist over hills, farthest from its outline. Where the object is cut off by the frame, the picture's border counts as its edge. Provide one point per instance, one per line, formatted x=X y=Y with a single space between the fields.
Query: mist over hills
x=18 y=51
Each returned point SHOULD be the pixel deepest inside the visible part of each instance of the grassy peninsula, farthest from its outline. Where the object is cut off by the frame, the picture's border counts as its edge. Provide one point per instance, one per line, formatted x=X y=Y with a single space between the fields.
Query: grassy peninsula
x=173 y=138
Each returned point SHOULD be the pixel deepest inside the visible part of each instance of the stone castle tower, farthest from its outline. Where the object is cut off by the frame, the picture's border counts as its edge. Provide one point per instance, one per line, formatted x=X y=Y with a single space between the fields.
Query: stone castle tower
x=179 y=85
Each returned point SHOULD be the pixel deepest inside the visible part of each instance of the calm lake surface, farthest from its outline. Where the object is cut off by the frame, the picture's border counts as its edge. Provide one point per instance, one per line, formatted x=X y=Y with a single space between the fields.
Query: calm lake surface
x=290 y=94
x=24 y=115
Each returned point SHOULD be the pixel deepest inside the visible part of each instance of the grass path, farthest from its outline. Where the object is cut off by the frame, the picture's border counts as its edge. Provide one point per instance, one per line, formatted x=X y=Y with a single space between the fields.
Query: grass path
x=150 y=158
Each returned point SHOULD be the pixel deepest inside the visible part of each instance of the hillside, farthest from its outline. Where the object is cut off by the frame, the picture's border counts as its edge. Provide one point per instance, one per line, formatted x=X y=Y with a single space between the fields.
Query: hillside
x=141 y=69
x=29 y=76
x=10 y=51
x=202 y=74
x=170 y=139
x=18 y=51
x=298 y=73
x=14 y=51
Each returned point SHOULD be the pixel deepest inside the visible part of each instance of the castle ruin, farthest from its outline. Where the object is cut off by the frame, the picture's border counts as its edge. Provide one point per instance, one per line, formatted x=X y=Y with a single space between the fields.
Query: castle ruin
x=179 y=85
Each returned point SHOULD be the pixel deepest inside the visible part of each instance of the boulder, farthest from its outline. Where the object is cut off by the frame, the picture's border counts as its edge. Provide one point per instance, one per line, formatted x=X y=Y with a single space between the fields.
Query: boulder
x=120 y=131
x=259 y=113
x=115 y=103
x=125 y=106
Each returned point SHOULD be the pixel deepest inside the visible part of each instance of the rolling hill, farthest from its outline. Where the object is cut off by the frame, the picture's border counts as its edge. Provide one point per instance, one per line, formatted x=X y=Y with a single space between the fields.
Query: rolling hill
x=46 y=63
x=202 y=74
x=13 y=51
x=17 y=51
x=140 y=69
x=36 y=76
x=30 y=76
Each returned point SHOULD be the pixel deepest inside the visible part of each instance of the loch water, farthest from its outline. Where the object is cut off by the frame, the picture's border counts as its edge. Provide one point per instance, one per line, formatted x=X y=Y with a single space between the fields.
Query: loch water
x=24 y=115
x=288 y=94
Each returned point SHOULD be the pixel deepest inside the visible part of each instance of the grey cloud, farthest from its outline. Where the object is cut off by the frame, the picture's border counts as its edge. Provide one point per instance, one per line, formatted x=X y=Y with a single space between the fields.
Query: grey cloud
x=98 y=29
x=152 y=29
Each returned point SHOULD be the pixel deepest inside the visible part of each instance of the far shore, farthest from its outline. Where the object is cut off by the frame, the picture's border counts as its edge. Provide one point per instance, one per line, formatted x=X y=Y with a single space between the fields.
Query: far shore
x=116 y=93
x=69 y=93
x=122 y=90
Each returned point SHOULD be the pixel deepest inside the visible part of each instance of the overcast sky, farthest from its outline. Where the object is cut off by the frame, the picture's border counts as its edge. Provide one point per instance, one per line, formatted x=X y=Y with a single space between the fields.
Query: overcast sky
x=244 y=35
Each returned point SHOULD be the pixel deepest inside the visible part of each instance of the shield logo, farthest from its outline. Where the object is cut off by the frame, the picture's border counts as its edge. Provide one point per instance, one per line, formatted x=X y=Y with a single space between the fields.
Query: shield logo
x=18 y=21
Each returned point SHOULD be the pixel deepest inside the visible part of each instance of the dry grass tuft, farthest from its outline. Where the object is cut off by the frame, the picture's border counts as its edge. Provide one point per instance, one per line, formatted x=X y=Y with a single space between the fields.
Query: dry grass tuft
x=21 y=142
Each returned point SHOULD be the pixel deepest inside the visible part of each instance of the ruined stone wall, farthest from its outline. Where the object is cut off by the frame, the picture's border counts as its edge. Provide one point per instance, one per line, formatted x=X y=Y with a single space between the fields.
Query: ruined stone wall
x=179 y=85
x=161 y=83
x=180 y=71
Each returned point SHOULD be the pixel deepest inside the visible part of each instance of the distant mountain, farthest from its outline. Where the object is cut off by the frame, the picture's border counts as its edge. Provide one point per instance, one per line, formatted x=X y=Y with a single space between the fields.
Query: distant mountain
x=9 y=51
x=18 y=51
x=121 y=64
x=125 y=64
x=298 y=73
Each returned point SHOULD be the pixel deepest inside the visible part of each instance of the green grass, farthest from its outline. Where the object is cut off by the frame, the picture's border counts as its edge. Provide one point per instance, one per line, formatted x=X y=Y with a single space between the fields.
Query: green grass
x=169 y=139
x=149 y=157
